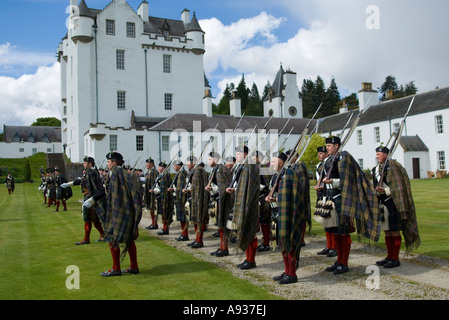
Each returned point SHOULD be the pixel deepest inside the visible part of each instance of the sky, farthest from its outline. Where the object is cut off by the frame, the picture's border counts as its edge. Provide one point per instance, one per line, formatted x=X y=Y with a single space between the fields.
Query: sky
x=353 y=41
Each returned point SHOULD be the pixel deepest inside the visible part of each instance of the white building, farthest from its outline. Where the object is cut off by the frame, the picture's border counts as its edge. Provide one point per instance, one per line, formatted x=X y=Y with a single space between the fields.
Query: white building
x=116 y=63
x=24 y=141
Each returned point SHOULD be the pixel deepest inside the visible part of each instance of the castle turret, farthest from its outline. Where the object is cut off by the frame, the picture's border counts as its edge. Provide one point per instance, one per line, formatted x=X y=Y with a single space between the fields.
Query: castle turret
x=81 y=22
x=195 y=33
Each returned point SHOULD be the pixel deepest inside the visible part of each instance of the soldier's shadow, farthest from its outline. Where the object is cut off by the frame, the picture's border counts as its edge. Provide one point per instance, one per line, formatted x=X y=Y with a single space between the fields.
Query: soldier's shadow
x=179 y=268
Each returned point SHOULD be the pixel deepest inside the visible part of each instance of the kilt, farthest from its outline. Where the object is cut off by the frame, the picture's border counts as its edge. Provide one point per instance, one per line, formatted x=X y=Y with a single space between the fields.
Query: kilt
x=393 y=215
x=343 y=227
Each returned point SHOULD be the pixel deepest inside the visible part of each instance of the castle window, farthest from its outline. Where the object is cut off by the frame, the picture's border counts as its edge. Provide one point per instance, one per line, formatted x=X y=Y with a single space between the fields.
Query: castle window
x=113 y=142
x=139 y=143
x=110 y=27
x=130 y=30
x=165 y=143
x=359 y=137
x=120 y=59
x=168 y=101
x=121 y=100
x=292 y=111
x=439 y=124
x=166 y=34
x=441 y=160
x=377 y=135
x=167 y=63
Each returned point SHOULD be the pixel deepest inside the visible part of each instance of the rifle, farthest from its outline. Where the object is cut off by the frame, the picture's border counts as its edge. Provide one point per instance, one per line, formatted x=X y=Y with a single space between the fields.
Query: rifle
x=291 y=155
x=395 y=143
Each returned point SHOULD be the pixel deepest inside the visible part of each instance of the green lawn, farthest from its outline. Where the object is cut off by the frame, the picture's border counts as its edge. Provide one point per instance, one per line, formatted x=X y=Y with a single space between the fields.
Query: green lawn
x=37 y=245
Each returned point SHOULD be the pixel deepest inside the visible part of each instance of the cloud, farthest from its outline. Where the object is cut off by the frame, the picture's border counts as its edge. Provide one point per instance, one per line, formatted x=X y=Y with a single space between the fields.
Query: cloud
x=334 y=41
x=31 y=96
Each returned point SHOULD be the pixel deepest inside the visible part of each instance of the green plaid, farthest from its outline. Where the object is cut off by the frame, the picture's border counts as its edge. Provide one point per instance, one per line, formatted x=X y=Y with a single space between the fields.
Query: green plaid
x=301 y=169
x=165 y=200
x=124 y=209
x=293 y=208
x=401 y=193
x=246 y=207
x=225 y=200
x=199 y=201
x=358 y=199
x=180 y=183
x=149 y=198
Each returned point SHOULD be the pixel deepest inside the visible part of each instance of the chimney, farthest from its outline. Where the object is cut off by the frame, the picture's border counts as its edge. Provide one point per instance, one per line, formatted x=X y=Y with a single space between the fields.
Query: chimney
x=235 y=106
x=185 y=16
x=142 y=11
x=389 y=94
x=207 y=104
x=367 y=96
x=344 y=107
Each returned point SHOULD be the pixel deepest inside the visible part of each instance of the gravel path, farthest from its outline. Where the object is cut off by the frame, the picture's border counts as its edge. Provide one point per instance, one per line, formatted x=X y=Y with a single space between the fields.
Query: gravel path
x=418 y=278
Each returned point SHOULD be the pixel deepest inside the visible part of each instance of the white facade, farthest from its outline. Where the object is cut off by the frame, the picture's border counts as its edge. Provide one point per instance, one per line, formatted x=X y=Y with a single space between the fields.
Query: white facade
x=12 y=150
x=115 y=61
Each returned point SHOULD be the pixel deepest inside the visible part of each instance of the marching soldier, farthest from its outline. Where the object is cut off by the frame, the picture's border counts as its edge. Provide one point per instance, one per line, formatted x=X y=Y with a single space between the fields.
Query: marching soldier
x=246 y=186
x=396 y=206
x=124 y=212
x=62 y=194
x=9 y=183
x=330 y=249
x=353 y=198
x=218 y=182
x=50 y=188
x=199 y=200
x=149 y=198
x=94 y=205
x=292 y=206
x=164 y=198
x=180 y=198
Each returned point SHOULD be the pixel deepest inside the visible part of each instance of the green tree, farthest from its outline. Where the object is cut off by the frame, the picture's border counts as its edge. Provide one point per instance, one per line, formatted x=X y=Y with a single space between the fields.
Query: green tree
x=331 y=99
x=47 y=122
x=310 y=156
x=27 y=170
x=243 y=93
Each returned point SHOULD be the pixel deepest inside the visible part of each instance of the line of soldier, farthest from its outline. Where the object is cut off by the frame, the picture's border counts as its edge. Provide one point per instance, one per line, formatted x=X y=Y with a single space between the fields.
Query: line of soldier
x=246 y=202
x=52 y=191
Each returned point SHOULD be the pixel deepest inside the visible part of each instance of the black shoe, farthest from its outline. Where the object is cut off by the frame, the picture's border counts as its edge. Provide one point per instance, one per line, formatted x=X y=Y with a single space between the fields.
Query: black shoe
x=331 y=253
x=222 y=253
x=82 y=242
x=111 y=273
x=263 y=247
x=182 y=238
x=131 y=270
x=191 y=243
x=288 y=279
x=332 y=267
x=246 y=265
x=197 y=245
x=341 y=269
x=303 y=244
x=278 y=278
x=214 y=252
x=152 y=227
x=163 y=232
x=382 y=262
x=216 y=234
x=392 y=264
x=323 y=252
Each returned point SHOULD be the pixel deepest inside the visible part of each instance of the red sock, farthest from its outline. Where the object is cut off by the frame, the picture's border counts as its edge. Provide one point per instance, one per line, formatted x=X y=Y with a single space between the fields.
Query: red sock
x=337 y=244
x=292 y=264
x=99 y=227
x=220 y=231
x=132 y=250
x=57 y=205
x=329 y=240
x=153 y=218
x=333 y=243
x=184 y=228
x=389 y=247
x=87 y=229
x=265 y=234
x=346 y=248
x=115 y=252
x=286 y=265
x=64 y=204
x=396 y=247
x=251 y=251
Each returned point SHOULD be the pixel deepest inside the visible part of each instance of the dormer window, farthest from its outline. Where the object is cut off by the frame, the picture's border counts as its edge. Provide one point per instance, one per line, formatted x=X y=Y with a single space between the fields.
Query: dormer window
x=166 y=34
x=45 y=138
x=31 y=137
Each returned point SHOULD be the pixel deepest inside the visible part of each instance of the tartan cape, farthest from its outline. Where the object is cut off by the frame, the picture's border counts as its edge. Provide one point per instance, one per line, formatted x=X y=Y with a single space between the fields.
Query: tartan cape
x=358 y=199
x=180 y=197
x=246 y=207
x=199 y=200
x=166 y=200
x=301 y=169
x=95 y=187
x=401 y=194
x=124 y=210
x=293 y=206
x=225 y=200
x=149 y=198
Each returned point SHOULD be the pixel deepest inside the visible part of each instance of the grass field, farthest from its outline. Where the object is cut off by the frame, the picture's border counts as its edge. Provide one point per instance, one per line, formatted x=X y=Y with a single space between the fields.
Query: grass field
x=37 y=245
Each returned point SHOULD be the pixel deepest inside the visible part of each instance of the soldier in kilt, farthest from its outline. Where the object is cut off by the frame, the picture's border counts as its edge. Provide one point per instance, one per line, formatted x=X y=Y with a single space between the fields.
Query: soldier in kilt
x=219 y=181
x=199 y=200
x=149 y=198
x=330 y=249
x=353 y=197
x=246 y=186
x=124 y=212
x=164 y=198
x=95 y=202
x=179 y=183
x=396 y=200
x=9 y=183
x=294 y=211
x=62 y=194
x=50 y=188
